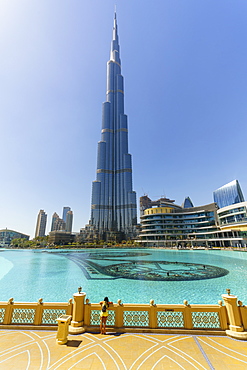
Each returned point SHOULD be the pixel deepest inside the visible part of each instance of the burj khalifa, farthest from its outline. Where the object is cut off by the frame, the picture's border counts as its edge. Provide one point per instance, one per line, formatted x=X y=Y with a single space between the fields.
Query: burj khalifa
x=113 y=207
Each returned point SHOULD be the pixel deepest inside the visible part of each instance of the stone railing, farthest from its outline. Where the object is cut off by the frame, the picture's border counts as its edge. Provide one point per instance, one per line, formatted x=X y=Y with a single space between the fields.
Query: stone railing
x=39 y=314
x=151 y=317
x=230 y=318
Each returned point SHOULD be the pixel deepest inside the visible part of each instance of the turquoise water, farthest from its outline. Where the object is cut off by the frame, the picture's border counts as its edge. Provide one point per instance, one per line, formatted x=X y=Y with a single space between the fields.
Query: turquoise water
x=27 y=275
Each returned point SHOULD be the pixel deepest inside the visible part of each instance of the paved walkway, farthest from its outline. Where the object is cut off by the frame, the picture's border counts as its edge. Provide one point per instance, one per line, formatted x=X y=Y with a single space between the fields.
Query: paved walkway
x=30 y=350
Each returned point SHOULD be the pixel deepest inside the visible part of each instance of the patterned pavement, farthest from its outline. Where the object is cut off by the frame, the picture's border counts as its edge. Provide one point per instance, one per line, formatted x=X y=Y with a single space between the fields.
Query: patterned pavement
x=38 y=350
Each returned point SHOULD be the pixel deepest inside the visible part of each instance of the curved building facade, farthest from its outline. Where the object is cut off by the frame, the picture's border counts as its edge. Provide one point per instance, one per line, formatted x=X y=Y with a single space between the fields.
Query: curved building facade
x=233 y=217
x=228 y=194
x=113 y=207
x=6 y=236
x=170 y=226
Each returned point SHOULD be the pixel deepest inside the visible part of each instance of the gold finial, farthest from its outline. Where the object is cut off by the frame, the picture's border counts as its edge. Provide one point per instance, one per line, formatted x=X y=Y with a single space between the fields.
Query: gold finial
x=79 y=289
x=228 y=291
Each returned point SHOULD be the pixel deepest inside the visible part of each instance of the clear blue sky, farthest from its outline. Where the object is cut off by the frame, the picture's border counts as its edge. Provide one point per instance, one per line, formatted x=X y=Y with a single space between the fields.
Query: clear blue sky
x=184 y=65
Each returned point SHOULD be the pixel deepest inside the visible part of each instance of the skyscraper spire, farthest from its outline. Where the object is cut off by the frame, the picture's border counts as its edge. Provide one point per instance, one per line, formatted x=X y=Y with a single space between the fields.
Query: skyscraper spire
x=113 y=200
x=115 y=45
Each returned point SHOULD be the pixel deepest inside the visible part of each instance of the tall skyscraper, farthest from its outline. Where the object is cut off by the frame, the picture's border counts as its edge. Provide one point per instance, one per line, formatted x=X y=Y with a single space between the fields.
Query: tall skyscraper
x=113 y=200
x=69 y=221
x=65 y=210
x=41 y=224
x=228 y=194
x=57 y=223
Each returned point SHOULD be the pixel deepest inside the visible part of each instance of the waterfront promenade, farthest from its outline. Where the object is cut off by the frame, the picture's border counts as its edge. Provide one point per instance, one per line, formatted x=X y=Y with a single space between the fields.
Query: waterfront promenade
x=38 y=350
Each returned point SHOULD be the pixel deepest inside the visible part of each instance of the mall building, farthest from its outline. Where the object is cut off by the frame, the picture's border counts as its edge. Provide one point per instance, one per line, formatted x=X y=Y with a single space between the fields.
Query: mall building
x=6 y=237
x=166 y=224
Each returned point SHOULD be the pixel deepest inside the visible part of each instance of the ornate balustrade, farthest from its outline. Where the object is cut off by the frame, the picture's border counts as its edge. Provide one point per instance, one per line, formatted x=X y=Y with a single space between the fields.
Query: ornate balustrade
x=123 y=317
x=40 y=313
x=149 y=317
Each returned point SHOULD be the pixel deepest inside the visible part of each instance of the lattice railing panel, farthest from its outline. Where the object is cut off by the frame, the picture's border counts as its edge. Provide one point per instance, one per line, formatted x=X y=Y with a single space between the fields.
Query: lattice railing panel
x=50 y=315
x=136 y=318
x=167 y=319
x=2 y=313
x=95 y=317
x=206 y=320
x=23 y=316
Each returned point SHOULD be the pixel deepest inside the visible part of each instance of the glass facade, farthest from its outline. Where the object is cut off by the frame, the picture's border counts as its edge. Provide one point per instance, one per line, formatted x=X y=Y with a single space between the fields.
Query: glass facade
x=65 y=211
x=6 y=236
x=205 y=226
x=113 y=205
x=228 y=194
x=187 y=203
x=163 y=224
x=69 y=221
x=232 y=215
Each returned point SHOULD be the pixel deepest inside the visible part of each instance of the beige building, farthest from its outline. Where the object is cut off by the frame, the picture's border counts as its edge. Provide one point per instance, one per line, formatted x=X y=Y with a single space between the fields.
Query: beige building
x=41 y=224
x=61 y=237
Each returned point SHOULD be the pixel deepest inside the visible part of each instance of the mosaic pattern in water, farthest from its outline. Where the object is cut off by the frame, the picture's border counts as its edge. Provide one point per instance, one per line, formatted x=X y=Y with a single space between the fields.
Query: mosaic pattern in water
x=119 y=265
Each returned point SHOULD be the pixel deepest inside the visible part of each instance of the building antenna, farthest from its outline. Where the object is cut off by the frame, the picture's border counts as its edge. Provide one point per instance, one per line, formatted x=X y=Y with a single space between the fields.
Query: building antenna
x=144 y=193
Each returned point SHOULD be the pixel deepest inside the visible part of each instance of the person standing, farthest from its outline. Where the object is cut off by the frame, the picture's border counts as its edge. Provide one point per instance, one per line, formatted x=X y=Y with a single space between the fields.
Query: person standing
x=104 y=314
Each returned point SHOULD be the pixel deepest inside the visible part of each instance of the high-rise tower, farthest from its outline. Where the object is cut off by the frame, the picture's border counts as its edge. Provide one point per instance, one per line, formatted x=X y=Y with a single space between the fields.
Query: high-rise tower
x=41 y=224
x=65 y=210
x=57 y=223
x=69 y=221
x=113 y=200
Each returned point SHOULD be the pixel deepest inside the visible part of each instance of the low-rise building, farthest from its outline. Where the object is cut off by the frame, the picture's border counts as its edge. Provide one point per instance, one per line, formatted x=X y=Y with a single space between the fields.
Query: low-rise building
x=6 y=236
x=61 y=237
x=233 y=219
x=203 y=226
